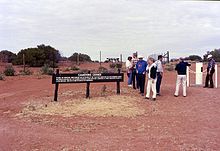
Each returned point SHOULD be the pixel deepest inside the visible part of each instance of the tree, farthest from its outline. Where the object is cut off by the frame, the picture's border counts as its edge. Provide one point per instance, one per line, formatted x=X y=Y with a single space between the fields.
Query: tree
x=37 y=57
x=194 y=58
x=82 y=57
x=215 y=53
x=7 y=56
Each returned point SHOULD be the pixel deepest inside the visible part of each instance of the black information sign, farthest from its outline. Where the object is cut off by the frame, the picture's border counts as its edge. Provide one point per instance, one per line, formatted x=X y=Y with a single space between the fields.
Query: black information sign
x=92 y=77
x=86 y=78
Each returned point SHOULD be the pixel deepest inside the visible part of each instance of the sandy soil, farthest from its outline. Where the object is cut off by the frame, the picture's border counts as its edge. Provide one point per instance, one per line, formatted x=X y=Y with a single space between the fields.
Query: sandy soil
x=191 y=123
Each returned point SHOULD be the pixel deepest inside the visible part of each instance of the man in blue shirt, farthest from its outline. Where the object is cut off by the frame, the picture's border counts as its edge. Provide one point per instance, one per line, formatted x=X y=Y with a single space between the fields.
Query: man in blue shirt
x=181 y=76
x=210 y=72
x=141 y=73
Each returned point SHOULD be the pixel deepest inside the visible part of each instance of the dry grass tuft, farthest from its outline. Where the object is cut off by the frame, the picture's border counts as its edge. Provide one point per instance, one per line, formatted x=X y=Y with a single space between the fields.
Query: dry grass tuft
x=112 y=106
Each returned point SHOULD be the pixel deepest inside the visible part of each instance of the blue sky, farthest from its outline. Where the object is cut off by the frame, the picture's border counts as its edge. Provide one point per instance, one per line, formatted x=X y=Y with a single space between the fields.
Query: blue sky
x=114 y=27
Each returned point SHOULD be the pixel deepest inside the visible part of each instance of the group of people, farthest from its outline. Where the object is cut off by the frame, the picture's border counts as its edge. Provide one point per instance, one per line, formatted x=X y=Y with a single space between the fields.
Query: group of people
x=138 y=70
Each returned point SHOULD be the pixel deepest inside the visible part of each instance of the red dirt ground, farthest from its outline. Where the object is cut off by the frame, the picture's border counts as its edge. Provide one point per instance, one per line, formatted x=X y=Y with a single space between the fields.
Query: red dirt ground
x=191 y=123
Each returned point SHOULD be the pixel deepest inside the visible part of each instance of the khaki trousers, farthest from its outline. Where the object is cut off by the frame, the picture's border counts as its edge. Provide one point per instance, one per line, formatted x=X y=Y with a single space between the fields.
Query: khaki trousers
x=181 y=79
x=151 y=86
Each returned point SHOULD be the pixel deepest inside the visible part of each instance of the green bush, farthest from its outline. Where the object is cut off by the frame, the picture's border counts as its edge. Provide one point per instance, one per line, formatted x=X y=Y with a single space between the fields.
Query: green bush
x=82 y=57
x=215 y=54
x=169 y=67
x=74 y=68
x=46 y=70
x=7 y=56
x=115 y=65
x=112 y=65
x=26 y=72
x=118 y=65
x=102 y=70
x=1 y=77
x=67 y=69
x=9 y=70
x=38 y=56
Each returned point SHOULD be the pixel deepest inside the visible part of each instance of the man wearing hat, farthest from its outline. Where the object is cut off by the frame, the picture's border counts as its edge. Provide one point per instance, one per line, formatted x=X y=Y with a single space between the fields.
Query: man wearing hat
x=210 y=72
x=181 y=76
x=141 y=67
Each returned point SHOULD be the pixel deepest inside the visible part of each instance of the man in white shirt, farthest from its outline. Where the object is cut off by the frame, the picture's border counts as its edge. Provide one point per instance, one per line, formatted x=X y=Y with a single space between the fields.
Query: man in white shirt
x=129 y=67
x=159 y=73
x=134 y=73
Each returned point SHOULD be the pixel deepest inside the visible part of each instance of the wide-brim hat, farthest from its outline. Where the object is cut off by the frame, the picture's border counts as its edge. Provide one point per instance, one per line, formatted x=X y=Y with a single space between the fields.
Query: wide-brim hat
x=140 y=57
x=209 y=56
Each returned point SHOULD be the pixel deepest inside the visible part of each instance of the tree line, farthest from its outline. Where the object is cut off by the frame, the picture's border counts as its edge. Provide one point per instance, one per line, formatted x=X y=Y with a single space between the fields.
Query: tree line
x=46 y=54
x=215 y=53
x=39 y=56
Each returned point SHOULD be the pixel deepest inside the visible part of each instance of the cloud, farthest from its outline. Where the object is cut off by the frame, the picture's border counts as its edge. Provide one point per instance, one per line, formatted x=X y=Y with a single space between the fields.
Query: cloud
x=114 y=27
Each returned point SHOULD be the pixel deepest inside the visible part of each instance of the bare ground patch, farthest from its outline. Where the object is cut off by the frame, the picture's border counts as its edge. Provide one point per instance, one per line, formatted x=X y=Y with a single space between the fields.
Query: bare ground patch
x=111 y=106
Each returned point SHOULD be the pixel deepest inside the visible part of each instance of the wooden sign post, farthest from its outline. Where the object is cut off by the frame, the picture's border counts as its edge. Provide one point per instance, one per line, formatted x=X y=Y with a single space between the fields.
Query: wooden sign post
x=66 y=78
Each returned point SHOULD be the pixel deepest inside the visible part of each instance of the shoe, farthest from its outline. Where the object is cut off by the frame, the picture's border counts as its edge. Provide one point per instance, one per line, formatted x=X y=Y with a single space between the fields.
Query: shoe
x=129 y=85
x=158 y=94
x=184 y=96
x=147 y=98
x=154 y=99
x=142 y=94
x=211 y=87
x=175 y=95
x=205 y=87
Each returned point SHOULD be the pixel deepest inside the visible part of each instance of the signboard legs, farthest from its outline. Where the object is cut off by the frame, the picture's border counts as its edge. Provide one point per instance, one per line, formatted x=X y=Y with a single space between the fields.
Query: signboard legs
x=118 y=84
x=87 y=89
x=56 y=87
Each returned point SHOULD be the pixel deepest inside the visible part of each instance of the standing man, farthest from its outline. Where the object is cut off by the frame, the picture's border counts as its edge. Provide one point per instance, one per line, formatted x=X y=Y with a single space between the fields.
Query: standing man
x=181 y=76
x=129 y=68
x=141 y=67
x=159 y=73
x=134 y=73
x=210 y=72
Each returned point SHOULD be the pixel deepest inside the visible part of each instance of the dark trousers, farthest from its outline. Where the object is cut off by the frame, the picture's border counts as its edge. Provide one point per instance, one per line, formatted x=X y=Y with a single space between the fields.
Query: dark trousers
x=209 y=78
x=135 y=78
x=159 y=79
x=141 y=80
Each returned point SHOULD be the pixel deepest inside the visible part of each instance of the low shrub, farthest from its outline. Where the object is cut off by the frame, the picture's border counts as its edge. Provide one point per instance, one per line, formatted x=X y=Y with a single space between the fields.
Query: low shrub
x=170 y=67
x=102 y=70
x=118 y=65
x=74 y=68
x=1 y=77
x=26 y=72
x=112 y=65
x=46 y=70
x=9 y=70
x=115 y=65
x=67 y=69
